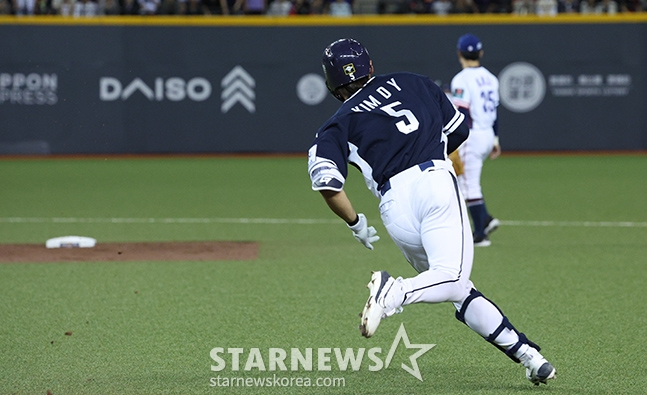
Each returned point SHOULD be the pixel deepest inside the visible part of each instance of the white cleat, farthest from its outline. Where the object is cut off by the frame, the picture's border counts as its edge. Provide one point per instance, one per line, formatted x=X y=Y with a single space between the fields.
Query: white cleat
x=538 y=369
x=482 y=242
x=376 y=306
x=492 y=225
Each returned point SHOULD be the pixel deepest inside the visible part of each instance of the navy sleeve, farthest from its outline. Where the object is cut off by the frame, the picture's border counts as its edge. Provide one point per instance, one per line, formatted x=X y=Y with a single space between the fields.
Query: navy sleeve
x=331 y=145
x=455 y=139
x=328 y=158
x=452 y=118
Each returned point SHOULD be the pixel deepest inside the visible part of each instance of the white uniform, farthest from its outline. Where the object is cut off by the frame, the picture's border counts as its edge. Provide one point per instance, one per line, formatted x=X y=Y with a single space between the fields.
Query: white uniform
x=426 y=217
x=477 y=90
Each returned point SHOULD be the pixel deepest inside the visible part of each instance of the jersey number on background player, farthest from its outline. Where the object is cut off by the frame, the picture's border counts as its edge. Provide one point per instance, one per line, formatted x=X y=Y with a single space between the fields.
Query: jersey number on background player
x=402 y=126
x=488 y=101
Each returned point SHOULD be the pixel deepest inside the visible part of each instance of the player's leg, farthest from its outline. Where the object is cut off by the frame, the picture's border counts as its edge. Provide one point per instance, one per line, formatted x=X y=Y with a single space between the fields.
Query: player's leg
x=485 y=318
x=484 y=223
x=430 y=225
x=470 y=184
x=446 y=241
x=473 y=154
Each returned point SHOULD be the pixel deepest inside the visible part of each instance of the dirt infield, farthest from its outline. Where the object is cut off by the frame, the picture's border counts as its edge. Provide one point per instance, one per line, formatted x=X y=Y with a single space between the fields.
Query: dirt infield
x=107 y=252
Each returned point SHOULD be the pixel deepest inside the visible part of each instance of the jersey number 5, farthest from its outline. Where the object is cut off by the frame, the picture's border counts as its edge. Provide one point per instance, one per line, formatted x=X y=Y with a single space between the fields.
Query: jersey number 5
x=412 y=123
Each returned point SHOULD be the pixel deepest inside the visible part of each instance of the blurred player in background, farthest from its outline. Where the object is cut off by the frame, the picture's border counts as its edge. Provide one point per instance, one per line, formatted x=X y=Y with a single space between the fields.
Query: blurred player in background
x=475 y=92
x=397 y=129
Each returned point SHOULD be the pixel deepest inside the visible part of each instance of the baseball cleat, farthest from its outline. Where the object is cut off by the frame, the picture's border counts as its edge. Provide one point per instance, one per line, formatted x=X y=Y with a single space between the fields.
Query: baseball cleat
x=376 y=306
x=538 y=369
x=491 y=225
x=541 y=375
x=482 y=241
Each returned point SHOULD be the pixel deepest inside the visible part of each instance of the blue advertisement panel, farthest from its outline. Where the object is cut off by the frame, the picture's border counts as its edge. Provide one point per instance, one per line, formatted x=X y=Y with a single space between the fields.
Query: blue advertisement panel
x=216 y=88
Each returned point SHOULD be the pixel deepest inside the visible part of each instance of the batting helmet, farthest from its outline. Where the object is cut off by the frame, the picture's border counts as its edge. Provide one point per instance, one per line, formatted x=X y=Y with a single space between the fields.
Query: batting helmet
x=345 y=61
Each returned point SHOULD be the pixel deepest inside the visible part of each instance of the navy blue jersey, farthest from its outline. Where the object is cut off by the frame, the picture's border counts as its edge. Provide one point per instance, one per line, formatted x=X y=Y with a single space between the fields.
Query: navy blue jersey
x=394 y=122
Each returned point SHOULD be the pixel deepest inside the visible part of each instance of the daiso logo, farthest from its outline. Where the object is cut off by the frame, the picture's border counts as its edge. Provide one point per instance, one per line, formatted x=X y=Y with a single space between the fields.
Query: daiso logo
x=173 y=89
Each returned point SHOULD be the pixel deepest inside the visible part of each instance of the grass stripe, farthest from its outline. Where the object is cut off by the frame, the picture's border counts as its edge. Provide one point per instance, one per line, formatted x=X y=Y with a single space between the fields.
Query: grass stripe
x=293 y=221
x=600 y=224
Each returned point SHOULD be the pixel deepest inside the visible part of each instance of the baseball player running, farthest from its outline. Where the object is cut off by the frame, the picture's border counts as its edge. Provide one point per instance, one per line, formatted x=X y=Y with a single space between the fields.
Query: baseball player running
x=475 y=93
x=397 y=130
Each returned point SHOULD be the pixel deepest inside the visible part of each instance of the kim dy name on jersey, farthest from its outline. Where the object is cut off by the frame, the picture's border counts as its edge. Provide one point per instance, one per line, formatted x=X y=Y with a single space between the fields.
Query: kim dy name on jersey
x=393 y=121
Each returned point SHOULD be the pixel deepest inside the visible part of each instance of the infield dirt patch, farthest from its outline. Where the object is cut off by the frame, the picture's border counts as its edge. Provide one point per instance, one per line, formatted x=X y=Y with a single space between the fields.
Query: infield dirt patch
x=157 y=251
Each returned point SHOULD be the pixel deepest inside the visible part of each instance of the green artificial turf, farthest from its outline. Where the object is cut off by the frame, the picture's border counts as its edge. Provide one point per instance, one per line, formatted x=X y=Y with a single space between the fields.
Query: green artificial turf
x=567 y=267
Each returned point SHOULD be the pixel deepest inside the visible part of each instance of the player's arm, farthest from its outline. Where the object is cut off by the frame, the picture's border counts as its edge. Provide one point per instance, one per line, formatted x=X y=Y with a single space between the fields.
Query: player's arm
x=340 y=205
x=460 y=97
x=455 y=125
x=457 y=137
x=329 y=181
x=357 y=223
x=496 y=149
x=466 y=113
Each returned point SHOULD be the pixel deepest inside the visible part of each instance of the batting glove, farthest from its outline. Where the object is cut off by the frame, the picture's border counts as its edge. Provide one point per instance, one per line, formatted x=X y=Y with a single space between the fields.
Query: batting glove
x=363 y=233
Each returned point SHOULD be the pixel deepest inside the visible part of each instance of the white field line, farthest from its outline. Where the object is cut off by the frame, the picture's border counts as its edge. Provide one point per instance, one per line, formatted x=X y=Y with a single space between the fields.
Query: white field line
x=596 y=224
x=286 y=221
x=291 y=221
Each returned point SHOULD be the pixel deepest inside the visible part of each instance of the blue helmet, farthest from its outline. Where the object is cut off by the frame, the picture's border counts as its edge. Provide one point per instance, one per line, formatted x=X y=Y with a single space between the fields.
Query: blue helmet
x=469 y=43
x=345 y=61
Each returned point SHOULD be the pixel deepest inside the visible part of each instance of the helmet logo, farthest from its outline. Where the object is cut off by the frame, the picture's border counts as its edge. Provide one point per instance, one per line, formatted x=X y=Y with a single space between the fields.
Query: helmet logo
x=349 y=69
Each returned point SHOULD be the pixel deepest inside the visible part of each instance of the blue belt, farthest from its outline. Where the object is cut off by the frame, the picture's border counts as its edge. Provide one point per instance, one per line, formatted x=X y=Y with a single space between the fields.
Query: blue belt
x=387 y=185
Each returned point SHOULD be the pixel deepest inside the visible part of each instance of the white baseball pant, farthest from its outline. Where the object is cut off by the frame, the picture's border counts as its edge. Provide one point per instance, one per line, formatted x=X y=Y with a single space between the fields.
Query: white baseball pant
x=425 y=214
x=473 y=152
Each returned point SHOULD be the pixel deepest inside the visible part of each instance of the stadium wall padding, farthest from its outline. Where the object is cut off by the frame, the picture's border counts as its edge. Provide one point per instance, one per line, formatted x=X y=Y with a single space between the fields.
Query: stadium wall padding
x=223 y=85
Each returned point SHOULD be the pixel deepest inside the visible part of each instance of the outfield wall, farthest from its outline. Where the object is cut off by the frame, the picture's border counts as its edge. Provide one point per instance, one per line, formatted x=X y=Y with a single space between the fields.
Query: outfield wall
x=254 y=84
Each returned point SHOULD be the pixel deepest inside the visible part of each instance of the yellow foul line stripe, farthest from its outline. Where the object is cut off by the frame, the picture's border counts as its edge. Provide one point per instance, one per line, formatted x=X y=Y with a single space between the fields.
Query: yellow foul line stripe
x=324 y=20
